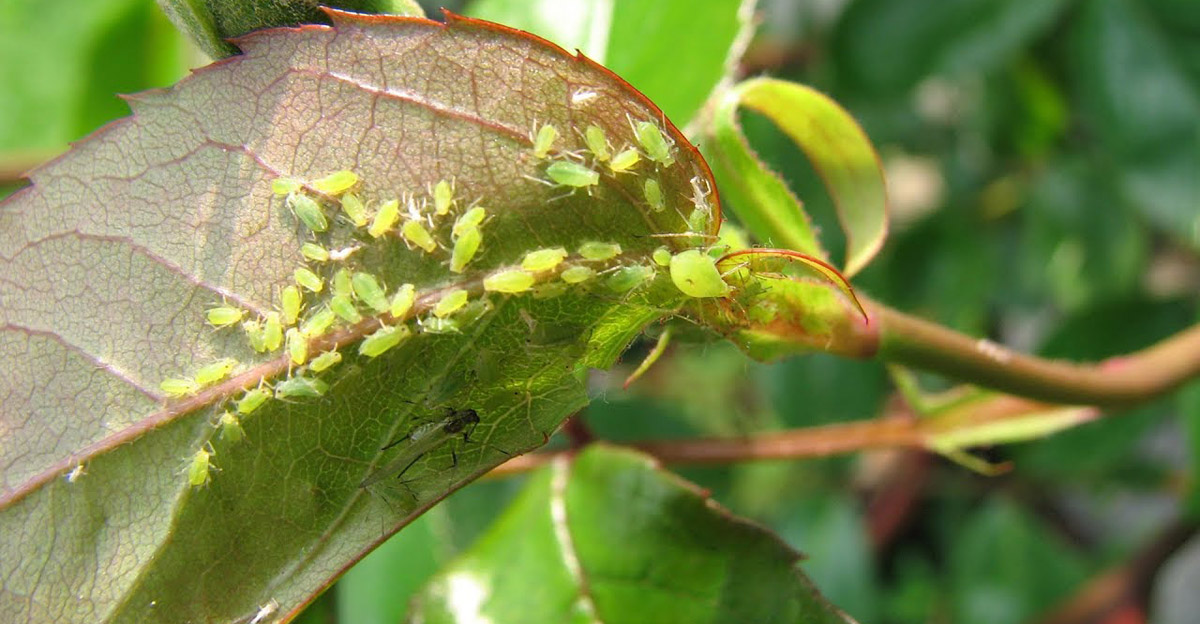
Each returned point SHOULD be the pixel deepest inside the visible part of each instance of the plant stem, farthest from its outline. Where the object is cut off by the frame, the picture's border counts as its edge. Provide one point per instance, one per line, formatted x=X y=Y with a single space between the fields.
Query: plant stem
x=1118 y=381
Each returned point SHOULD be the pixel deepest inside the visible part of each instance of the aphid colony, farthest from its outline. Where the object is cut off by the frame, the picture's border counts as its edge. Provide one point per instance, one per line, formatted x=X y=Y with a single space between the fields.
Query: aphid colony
x=322 y=296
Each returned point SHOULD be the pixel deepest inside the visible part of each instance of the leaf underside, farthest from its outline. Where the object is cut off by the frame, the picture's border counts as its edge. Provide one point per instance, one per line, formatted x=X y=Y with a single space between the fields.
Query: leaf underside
x=113 y=256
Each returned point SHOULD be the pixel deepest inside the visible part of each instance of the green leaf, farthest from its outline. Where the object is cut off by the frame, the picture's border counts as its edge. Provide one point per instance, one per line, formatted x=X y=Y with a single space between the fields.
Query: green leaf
x=839 y=150
x=211 y=22
x=1143 y=105
x=612 y=538
x=119 y=248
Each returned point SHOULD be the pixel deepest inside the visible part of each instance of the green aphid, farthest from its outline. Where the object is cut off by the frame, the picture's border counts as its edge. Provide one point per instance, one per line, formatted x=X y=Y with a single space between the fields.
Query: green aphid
x=443 y=197
x=368 y=290
x=255 y=335
x=654 y=196
x=414 y=232
x=599 y=251
x=699 y=219
x=216 y=371
x=385 y=218
x=285 y=186
x=572 y=174
x=435 y=325
x=403 y=301
x=695 y=274
x=465 y=247
x=273 y=331
x=652 y=140
x=550 y=290
x=314 y=252
x=252 y=400
x=308 y=211
x=546 y=135
x=224 y=316
x=661 y=257
x=309 y=280
x=290 y=303
x=450 y=303
x=577 y=274
x=625 y=160
x=199 y=467
x=628 y=278
x=470 y=219
x=473 y=311
x=301 y=387
x=543 y=259
x=597 y=142
x=355 y=210
x=343 y=283
x=319 y=323
x=297 y=346
x=385 y=338
x=325 y=361
x=231 y=428
x=336 y=183
x=344 y=308
x=179 y=386
x=511 y=281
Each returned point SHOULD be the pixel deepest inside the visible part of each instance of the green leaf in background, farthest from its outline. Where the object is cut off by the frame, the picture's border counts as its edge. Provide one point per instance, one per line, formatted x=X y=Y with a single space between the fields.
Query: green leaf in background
x=210 y=23
x=838 y=150
x=1141 y=101
x=675 y=51
x=121 y=248
x=610 y=537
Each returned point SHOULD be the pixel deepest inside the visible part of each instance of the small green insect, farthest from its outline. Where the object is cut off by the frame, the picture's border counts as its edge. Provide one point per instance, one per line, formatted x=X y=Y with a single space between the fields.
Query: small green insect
x=343 y=283
x=337 y=182
x=255 y=335
x=300 y=387
x=465 y=247
x=224 y=316
x=470 y=219
x=199 y=467
x=344 y=308
x=450 y=303
x=368 y=290
x=695 y=274
x=272 y=331
x=297 y=346
x=628 y=278
x=314 y=252
x=403 y=301
x=599 y=251
x=309 y=280
x=698 y=221
x=385 y=218
x=435 y=325
x=179 y=386
x=414 y=232
x=625 y=160
x=550 y=290
x=216 y=371
x=511 y=281
x=443 y=197
x=252 y=400
x=290 y=303
x=231 y=428
x=355 y=210
x=473 y=311
x=285 y=186
x=543 y=259
x=325 y=361
x=319 y=323
x=654 y=196
x=597 y=142
x=308 y=211
x=577 y=274
x=572 y=174
x=658 y=147
x=661 y=257
x=385 y=338
x=546 y=135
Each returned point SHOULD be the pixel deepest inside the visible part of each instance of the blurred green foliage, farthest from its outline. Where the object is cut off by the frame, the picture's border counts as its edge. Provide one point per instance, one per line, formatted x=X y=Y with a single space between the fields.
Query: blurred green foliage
x=1044 y=169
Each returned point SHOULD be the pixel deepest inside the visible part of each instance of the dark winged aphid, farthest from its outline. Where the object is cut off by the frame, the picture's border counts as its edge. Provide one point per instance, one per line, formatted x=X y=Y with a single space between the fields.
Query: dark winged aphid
x=423 y=439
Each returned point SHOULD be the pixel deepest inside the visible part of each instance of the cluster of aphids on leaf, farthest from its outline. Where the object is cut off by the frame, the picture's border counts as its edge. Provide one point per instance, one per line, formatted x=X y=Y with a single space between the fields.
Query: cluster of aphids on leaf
x=326 y=291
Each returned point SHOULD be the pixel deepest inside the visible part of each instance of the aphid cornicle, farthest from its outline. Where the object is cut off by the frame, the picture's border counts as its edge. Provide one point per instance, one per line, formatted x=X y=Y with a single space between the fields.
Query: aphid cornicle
x=511 y=281
x=450 y=303
x=443 y=197
x=572 y=174
x=403 y=301
x=544 y=140
x=416 y=234
x=465 y=248
x=308 y=211
x=336 y=183
x=599 y=251
x=385 y=218
x=469 y=219
x=597 y=142
x=543 y=259
x=657 y=147
x=290 y=302
x=325 y=361
x=216 y=371
x=384 y=339
x=309 y=280
x=252 y=400
x=368 y=290
x=179 y=386
x=355 y=210
x=224 y=316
